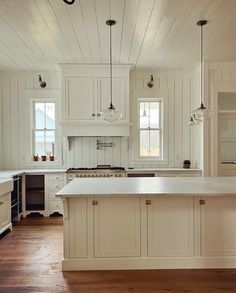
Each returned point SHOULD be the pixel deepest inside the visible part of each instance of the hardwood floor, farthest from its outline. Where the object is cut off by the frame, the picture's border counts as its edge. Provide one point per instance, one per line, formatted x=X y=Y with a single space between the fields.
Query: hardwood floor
x=30 y=261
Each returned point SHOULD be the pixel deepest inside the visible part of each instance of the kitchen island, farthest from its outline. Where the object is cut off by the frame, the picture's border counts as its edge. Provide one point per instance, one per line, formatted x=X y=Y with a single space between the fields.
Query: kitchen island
x=147 y=223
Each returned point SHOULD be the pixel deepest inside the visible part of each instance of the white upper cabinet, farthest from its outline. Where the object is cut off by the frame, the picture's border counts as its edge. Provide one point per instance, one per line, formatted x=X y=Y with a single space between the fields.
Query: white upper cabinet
x=86 y=93
x=80 y=100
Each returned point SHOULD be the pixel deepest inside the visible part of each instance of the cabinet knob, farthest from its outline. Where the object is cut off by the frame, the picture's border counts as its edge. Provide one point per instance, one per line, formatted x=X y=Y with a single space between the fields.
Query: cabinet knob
x=99 y=114
x=93 y=114
x=1 y=203
x=94 y=203
x=202 y=201
x=148 y=202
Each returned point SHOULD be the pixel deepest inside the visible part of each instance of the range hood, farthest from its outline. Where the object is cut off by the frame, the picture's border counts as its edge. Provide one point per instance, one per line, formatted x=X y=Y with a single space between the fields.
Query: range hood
x=86 y=93
x=98 y=129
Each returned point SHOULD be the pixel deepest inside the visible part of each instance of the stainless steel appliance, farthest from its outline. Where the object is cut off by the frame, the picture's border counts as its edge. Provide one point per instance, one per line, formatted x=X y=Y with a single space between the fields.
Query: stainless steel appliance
x=99 y=171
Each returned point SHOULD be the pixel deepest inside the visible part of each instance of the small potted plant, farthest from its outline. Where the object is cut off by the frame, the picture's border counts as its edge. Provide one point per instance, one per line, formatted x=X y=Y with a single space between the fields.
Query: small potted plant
x=36 y=157
x=186 y=164
x=51 y=157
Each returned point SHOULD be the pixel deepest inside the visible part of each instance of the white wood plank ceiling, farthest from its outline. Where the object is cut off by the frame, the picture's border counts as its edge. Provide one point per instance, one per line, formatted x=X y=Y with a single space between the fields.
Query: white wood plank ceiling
x=39 y=34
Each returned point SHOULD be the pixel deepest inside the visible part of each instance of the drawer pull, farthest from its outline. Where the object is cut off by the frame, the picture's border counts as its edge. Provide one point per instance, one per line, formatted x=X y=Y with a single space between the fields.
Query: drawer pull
x=1 y=203
x=94 y=203
x=202 y=202
x=148 y=202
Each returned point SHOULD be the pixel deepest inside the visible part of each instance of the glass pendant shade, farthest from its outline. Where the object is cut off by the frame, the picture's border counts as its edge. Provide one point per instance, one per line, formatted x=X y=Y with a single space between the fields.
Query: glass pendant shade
x=111 y=114
x=202 y=114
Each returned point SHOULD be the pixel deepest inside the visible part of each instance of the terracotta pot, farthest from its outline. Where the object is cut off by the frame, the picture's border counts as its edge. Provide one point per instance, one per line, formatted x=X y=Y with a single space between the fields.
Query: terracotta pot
x=36 y=158
x=52 y=158
x=44 y=158
x=186 y=166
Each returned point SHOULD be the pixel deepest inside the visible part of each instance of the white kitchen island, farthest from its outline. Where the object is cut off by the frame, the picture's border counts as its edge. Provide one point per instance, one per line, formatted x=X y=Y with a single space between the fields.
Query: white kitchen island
x=147 y=223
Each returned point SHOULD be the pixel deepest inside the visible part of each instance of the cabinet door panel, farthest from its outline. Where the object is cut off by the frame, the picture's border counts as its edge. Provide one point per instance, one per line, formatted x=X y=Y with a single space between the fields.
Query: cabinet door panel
x=170 y=226
x=78 y=227
x=218 y=222
x=117 y=227
x=5 y=210
x=80 y=98
x=118 y=94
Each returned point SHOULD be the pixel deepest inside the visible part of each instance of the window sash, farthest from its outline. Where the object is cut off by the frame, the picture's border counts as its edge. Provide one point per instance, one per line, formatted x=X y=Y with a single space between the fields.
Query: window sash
x=44 y=130
x=149 y=129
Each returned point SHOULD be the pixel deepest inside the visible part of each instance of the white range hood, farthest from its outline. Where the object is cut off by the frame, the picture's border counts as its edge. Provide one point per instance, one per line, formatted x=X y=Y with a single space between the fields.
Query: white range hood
x=86 y=92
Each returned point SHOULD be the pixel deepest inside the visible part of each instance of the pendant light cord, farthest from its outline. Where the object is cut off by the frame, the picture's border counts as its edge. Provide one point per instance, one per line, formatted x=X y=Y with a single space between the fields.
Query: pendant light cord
x=201 y=52
x=111 y=65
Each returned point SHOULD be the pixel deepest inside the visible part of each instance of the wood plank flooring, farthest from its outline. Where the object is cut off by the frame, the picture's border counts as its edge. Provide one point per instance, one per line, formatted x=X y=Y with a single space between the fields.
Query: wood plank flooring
x=30 y=261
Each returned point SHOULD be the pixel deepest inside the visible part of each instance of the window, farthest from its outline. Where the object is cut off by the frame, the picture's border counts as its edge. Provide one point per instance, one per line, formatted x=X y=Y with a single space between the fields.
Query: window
x=44 y=130
x=150 y=129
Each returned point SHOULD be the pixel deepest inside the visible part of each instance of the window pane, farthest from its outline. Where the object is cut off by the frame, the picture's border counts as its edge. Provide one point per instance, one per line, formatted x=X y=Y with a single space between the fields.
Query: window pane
x=154 y=114
x=39 y=143
x=50 y=115
x=144 y=115
x=39 y=116
x=154 y=143
x=50 y=142
x=144 y=143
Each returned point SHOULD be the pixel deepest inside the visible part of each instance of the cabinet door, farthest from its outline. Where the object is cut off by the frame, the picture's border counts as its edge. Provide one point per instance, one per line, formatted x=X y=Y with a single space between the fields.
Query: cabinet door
x=218 y=222
x=80 y=104
x=5 y=210
x=117 y=227
x=170 y=226
x=118 y=94
x=78 y=227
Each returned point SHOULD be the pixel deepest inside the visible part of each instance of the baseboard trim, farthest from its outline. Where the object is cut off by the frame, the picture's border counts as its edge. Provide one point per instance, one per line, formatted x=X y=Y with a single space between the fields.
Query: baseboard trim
x=148 y=263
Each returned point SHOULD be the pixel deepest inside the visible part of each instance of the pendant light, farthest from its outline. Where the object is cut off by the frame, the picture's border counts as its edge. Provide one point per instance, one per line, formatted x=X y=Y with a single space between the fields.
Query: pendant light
x=111 y=114
x=202 y=113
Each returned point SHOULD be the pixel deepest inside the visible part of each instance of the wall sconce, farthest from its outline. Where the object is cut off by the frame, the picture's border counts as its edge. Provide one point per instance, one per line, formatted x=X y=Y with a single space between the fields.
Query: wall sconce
x=151 y=82
x=42 y=83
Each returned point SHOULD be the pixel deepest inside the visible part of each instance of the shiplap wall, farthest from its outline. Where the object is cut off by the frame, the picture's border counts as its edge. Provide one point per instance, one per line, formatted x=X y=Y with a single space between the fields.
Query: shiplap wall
x=1 y=126
x=221 y=78
x=16 y=115
x=183 y=140
x=84 y=152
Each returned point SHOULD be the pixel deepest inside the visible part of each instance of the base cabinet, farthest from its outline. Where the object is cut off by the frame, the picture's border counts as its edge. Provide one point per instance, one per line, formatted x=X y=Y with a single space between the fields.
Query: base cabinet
x=54 y=182
x=218 y=222
x=116 y=227
x=138 y=232
x=5 y=212
x=170 y=226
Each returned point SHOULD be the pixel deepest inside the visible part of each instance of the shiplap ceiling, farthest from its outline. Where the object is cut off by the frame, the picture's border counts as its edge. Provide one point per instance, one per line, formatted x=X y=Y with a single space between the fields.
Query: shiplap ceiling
x=39 y=34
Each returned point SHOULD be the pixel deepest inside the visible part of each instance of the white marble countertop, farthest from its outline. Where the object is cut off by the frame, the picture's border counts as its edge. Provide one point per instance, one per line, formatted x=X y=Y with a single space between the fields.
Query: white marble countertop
x=6 y=185
x=150 y=186
x=144 y=170
x=11 y=173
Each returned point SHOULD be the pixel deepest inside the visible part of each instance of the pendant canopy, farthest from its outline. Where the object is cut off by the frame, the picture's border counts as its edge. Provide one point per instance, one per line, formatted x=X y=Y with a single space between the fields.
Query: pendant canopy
x=111 y=114
x=202 y=113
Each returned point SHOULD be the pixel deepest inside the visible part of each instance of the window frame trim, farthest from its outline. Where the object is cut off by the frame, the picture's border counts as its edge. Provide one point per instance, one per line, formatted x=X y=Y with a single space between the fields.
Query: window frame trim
x=33 y=121
x=161 y=132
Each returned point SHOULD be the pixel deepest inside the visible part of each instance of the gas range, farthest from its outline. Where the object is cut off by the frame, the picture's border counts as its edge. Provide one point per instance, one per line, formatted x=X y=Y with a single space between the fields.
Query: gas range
x=99 y=171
